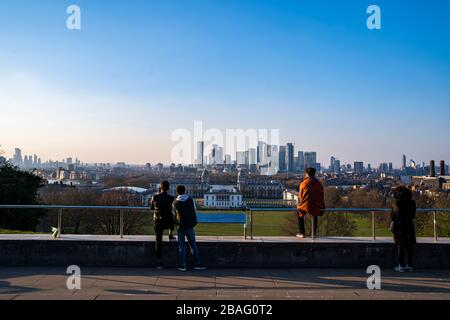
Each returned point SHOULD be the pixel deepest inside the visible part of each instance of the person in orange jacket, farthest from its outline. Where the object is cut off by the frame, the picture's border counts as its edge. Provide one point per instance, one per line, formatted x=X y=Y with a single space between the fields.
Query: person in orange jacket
x=310 y=201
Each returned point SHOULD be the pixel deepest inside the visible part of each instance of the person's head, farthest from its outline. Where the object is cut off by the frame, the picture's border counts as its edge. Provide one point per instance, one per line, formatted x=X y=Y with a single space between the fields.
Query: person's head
x=181 y=190
x=402 y=193
x=310 y=172
x=165 y=185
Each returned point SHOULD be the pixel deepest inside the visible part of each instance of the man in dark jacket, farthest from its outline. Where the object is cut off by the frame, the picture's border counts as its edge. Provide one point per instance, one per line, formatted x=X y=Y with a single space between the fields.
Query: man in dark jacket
x=185 y=216
x=161 y=203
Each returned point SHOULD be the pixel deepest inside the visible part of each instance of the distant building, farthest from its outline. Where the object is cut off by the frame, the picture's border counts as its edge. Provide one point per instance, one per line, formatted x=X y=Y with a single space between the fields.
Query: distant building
x=290 y=158
x=358 y=166
x=311 y=160
x=282 y=159
x=258 y=188
x=432 y=169
x=222 y=196
x=200 y=153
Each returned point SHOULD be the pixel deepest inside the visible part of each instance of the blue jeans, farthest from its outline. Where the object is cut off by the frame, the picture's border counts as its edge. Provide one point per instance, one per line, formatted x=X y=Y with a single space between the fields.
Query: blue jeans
x=190 y=235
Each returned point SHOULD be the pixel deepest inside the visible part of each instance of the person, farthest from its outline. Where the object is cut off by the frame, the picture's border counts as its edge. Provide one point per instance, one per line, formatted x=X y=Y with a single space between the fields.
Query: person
x=161 y=203
x=310 y=201
x=185 y=216
x=402 y=226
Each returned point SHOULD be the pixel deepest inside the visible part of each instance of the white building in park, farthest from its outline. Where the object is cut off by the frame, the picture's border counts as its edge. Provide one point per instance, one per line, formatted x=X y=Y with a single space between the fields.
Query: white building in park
x=222 y=196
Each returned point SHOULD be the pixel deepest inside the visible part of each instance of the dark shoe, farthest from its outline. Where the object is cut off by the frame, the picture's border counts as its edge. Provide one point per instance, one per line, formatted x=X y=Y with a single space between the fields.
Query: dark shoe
x=182 y=268
x=199 y=266
x=160 y=266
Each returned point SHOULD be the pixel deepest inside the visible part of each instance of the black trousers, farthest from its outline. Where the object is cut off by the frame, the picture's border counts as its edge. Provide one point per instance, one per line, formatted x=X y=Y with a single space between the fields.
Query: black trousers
x=405 y=250
x=159 y=231
x=301 y=224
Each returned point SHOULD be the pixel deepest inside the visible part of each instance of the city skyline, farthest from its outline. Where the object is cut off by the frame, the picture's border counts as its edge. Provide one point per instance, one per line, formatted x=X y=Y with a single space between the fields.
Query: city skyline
x=116 y=89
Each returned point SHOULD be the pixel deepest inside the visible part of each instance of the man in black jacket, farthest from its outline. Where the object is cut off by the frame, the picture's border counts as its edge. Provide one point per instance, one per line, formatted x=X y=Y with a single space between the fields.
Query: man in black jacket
x=185 y=216
x=161 y=203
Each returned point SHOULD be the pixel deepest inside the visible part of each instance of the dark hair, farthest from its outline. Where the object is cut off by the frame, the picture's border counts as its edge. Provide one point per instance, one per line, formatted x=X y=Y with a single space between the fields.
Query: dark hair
x=165 y=185
x=181 y=190
x=311 y=172
x=402 y=193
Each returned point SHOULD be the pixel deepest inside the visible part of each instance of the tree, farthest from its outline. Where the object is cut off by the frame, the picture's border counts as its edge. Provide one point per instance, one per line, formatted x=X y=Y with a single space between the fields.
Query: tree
x=19 y=187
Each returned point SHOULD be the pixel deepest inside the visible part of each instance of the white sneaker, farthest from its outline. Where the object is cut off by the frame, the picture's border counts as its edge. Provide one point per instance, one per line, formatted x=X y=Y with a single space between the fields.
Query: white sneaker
x=399 y=268
x=407 y=268
x=301 y=236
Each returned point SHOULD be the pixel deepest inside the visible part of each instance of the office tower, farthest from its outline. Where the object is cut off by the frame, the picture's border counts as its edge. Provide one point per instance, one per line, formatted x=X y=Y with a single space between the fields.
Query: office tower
x=390 y=167
x=301 y=161
x=337 y=166
x=332 y=161
x=404 y=162
x=216 y=156
x=282 y=159
x=359 y=167
x=228 y=159
x=442 y=167
x=69 y=160
x=17 y=159
x=252 y=156
x=432 y=169
x=261 y=152
x=35 y=157
x=310 y=159
x=290 y=157
x=369 y=168
x=200 y=153
x=241 y=158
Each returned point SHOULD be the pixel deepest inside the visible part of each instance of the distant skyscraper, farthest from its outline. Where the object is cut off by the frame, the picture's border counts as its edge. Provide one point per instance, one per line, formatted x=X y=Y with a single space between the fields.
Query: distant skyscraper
x=404 y=162
x=337 y=166
x=301 y=161
x=200 y=153
x=310 y=159
x=432 y=169
x=332 y=161
x=17 y=159
x=261 y=152
x=228 y=159
x=359 y=167
x=442 y=167
x=241 y=158
x=252 y=156
x=290 y=157
x=282 y=159
x=390 y=167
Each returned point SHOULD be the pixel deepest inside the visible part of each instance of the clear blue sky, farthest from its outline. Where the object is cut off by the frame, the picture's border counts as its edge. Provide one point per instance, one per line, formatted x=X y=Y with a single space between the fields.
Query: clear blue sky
x=115 y=90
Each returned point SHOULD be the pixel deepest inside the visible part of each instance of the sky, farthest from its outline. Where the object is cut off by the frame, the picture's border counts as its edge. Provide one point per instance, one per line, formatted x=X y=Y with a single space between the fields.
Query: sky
x=138 y=70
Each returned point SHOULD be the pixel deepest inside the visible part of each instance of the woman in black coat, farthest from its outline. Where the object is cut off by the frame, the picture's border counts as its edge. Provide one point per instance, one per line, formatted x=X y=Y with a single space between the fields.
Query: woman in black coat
x=402 y=226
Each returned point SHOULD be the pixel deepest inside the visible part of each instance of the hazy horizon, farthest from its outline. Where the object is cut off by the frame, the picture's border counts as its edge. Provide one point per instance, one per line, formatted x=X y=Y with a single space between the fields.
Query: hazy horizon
x=116 y=89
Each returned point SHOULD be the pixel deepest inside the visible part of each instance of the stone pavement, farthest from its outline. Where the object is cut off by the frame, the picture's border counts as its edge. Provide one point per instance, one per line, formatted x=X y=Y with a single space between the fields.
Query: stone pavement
x=18 y=283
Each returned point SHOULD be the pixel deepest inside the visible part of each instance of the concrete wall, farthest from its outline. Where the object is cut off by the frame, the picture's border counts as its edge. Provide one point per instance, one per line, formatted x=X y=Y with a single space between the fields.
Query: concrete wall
x=215 y=254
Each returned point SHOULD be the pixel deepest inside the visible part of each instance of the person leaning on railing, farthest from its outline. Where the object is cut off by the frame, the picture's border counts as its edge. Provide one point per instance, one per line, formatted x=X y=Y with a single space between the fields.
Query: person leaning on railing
x=310 y=201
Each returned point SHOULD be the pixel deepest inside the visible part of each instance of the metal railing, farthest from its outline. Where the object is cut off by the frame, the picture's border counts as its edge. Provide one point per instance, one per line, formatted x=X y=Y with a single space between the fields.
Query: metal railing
x=361 y=210
x=121 y=210
x=250 y=211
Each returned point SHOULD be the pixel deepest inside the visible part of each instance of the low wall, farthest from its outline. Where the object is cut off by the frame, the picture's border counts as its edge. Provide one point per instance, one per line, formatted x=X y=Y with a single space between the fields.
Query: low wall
x=238 y=254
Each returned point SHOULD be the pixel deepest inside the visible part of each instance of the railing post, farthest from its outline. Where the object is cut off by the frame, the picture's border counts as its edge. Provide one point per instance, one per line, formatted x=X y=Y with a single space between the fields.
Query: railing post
x=435 y=227
x=251 y=224
x=58 y=235
x=374 y=237
x=121 y=224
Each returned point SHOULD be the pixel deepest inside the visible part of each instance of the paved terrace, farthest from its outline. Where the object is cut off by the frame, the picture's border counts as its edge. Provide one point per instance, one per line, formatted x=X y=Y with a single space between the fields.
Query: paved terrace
x=222 y=284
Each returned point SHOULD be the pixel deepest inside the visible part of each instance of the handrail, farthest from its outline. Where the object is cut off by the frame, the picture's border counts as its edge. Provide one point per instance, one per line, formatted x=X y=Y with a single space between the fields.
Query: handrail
x=372 y=210
x=121 y=209
x=60 y=208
